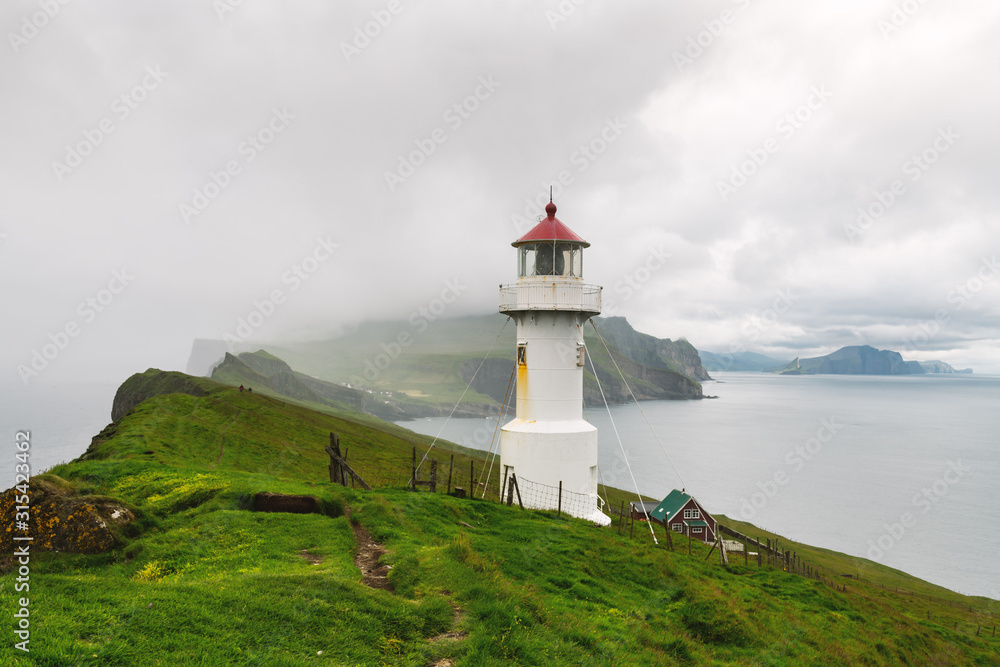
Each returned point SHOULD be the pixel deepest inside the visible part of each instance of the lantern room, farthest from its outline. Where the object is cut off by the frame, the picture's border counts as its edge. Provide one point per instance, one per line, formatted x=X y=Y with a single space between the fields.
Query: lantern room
x=550 y=249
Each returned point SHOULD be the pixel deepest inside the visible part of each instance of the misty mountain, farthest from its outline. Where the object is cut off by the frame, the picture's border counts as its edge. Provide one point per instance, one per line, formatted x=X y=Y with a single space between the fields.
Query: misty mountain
x=854 y=360
x=406 y=369
x=740 y=361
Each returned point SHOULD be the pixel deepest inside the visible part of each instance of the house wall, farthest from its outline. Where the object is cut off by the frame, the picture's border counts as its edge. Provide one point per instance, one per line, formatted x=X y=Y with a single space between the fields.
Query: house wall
x=708 y=532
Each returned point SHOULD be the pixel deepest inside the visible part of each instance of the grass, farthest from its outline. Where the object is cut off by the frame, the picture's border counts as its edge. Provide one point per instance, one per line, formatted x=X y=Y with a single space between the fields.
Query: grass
x=200 y=580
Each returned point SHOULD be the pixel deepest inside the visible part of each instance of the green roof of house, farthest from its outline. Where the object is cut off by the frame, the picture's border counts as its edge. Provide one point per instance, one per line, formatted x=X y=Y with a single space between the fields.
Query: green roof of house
x=670 y=505
x=697 y=523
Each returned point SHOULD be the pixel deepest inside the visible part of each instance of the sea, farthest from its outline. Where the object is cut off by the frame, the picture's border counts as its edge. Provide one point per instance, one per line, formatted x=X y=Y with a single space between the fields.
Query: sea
x=902 y=470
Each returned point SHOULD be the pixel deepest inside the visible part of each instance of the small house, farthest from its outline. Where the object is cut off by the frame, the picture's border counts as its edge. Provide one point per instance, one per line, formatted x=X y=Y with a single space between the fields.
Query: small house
x=640 y=510
x=681 y=513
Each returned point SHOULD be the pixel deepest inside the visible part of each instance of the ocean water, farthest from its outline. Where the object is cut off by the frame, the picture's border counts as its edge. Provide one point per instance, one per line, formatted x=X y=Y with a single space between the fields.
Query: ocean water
x=62 y=419
x=902 y=470
x=834 y=461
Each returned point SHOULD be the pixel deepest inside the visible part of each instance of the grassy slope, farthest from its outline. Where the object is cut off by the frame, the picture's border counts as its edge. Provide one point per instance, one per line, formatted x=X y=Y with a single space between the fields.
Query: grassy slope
x=207 y=582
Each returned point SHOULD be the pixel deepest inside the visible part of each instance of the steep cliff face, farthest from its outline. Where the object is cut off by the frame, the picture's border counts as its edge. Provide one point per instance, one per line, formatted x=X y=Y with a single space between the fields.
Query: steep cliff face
x=647 y=383
x=679 y=356
x=152 y=383
x=492 y=379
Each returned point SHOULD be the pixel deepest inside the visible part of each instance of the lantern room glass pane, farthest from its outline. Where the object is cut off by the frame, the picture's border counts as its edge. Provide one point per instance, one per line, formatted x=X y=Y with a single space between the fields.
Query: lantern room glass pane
x=550 y=259
x=527 y=260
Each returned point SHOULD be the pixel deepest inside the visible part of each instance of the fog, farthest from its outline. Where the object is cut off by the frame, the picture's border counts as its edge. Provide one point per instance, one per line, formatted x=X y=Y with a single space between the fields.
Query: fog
x=772 y=176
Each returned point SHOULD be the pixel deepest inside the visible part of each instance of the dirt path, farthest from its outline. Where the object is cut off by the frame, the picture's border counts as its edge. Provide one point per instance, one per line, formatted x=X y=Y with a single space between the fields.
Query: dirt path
x=222 y=449
x=369 y=551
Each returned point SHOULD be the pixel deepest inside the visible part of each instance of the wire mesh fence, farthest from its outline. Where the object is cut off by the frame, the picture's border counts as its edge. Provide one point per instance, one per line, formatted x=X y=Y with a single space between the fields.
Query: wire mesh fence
x=536 y=495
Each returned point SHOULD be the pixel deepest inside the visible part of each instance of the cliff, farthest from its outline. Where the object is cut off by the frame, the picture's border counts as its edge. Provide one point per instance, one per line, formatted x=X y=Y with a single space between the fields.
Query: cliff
x=678 y=356
x=153 y=382
x=648 y=382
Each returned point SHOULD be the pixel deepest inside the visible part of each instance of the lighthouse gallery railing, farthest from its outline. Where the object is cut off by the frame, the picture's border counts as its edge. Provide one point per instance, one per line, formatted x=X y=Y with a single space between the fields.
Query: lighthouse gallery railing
x=550 y=295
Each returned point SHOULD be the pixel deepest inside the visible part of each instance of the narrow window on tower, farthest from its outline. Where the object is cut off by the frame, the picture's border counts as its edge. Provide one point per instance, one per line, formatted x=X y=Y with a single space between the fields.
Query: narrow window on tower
x=522 y=354
x=581 y=355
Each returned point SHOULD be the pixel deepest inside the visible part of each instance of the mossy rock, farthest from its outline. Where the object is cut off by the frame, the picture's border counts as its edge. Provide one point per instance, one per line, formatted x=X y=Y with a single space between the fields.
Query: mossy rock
x=58 y=520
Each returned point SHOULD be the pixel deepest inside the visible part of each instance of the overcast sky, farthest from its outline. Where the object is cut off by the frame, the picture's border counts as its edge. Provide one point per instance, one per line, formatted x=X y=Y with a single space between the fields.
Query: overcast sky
x=181 y=164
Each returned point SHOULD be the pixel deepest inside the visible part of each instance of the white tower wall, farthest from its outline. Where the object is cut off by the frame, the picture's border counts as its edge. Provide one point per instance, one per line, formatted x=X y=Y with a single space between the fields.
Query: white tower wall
x=549 y=442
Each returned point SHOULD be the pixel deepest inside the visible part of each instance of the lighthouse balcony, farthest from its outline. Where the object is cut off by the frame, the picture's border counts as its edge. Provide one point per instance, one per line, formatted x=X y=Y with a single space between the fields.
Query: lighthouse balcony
x=549 y=294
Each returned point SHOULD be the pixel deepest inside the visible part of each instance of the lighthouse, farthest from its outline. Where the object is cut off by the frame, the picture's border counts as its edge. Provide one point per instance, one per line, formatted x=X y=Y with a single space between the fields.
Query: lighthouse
x=548 y=445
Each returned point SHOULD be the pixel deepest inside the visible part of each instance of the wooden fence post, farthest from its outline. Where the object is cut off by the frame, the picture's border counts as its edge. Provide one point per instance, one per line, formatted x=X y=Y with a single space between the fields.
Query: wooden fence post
x=621 y=517
x=517 y=490
x=510 y=492
x=559 y=506
x=472 y=483
x=451 y=465
x=434 y=476
x=345 y=472
x=413 y=466
x=334 y=466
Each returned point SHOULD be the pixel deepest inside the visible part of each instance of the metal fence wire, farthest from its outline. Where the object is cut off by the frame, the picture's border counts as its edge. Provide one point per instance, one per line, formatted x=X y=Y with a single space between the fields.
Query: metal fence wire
x=536 y=495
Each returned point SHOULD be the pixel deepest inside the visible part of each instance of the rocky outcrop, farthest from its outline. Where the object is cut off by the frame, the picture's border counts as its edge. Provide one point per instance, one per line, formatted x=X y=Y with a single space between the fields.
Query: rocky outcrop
x=59 y=520
x=153 y=382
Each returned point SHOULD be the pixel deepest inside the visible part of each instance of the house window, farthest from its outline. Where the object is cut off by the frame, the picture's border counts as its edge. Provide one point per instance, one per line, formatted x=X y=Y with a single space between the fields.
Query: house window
x=677 y=527
x=697 y=529
x=692 y=514
x=522 y=354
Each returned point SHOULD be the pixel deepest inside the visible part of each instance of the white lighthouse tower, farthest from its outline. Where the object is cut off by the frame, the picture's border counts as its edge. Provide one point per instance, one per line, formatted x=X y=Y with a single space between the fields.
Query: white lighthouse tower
x=549 y=442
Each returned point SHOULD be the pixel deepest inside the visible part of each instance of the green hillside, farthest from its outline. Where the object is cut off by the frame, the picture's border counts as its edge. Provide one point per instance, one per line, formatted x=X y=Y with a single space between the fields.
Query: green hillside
x=199 y=579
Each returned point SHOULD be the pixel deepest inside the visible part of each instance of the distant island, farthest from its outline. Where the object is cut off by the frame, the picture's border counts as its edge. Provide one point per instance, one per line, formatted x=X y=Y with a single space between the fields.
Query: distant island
x=865 y=360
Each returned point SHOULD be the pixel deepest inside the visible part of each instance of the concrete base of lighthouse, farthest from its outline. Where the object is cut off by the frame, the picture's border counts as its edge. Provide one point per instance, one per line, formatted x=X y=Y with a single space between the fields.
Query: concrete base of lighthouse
x=549 y=452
